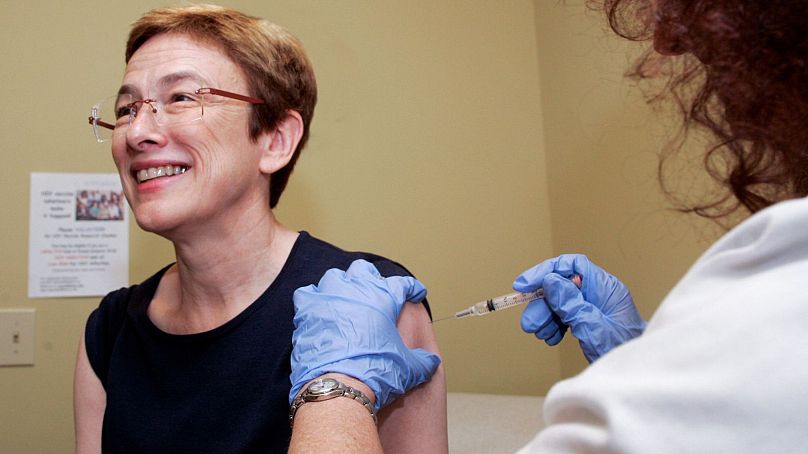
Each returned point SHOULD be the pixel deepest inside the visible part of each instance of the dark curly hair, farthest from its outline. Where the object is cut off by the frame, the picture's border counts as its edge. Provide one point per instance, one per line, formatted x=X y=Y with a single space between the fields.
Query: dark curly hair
x=737 y=68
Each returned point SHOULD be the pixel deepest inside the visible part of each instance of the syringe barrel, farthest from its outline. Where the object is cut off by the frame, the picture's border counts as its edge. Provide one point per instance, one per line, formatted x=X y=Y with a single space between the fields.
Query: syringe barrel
x=513 y=299
x=481 y=308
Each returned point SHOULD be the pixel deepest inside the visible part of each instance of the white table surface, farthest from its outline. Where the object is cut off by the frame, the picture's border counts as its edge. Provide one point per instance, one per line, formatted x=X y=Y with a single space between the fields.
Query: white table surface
x=492 y=423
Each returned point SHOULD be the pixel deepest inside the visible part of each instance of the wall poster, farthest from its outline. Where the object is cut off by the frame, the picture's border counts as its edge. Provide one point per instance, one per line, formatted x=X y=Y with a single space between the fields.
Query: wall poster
x=78 y=235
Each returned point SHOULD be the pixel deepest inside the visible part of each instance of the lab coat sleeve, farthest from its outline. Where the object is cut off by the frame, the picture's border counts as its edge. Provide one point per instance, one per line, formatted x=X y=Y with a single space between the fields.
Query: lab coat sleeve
x=722 y=366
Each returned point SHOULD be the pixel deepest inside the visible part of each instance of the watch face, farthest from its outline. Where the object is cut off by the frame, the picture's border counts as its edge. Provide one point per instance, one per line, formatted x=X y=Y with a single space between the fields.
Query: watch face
x=323 y=386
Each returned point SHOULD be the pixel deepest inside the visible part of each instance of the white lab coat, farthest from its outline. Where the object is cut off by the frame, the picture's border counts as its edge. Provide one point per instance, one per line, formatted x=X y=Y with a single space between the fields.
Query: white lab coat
x=722 y=366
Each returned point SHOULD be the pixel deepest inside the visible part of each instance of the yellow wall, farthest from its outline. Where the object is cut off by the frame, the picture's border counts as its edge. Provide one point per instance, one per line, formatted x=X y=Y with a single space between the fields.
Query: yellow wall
x=601 y=146
x=435 y=143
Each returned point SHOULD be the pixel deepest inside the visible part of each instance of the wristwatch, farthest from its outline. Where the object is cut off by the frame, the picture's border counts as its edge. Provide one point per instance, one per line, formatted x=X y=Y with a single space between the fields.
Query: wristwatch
x=326 y=389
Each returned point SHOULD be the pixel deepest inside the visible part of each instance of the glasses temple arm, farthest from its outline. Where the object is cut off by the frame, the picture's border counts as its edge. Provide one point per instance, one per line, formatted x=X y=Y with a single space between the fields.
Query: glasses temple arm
x=96 y=121
x=228 y=94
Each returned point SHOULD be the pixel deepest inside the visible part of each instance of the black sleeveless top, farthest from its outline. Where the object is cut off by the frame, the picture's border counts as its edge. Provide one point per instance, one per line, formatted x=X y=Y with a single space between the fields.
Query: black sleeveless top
x=220 y=391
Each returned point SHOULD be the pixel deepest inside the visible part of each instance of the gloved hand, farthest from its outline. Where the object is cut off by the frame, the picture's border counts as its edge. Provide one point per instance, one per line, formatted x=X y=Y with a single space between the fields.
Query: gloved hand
x=601 y=313
x=347 y=324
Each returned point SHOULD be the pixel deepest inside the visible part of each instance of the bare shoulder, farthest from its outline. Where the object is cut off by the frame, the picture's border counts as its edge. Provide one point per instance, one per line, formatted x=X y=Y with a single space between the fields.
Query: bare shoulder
x=416 y=422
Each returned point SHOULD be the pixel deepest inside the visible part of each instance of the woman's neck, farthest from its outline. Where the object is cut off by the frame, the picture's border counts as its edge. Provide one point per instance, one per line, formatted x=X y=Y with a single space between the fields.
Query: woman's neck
x=219 y=272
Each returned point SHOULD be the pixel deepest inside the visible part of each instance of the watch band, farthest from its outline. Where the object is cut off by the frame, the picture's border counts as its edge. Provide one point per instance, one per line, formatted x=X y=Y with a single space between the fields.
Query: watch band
x=324 y=389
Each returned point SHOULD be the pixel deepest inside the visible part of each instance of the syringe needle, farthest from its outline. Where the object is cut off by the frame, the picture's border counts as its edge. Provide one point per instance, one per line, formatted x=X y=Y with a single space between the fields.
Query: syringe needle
x=442 y=319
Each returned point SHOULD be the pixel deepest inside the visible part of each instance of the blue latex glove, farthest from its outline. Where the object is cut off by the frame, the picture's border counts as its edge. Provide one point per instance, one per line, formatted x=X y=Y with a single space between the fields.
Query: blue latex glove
x=601 y=313
x=347 y=324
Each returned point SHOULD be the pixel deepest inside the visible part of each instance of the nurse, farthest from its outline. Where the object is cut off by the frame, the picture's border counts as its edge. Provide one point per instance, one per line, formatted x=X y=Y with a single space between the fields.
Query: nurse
x=722 y=364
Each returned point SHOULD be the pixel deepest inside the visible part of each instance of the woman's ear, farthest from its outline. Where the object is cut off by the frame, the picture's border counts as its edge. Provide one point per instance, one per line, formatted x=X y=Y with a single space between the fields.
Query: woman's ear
x=279 y=145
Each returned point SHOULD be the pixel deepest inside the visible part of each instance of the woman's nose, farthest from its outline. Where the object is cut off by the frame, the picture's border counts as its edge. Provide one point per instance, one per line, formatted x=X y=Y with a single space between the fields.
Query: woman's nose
x=144 y=107
x=143 y=127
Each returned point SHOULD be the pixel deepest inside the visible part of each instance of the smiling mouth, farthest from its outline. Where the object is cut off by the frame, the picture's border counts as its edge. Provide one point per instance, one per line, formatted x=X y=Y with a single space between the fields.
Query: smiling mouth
x=158 y=172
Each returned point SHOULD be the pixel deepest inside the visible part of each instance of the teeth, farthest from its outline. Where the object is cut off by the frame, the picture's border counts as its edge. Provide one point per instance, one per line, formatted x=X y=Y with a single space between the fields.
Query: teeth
x=156 y=172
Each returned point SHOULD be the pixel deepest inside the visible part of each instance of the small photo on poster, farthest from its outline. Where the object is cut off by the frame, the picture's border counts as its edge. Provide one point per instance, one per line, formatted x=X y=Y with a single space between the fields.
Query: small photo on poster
x=99 y=205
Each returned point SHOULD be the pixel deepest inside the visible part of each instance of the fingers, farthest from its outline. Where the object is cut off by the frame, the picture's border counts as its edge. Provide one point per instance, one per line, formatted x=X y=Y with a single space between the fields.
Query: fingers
x=566 y=265
x=414 y=367
x=304 y=297
x=569 y=264
x=564 y=298
x=363 y=286
x=406 y=288
x=425 y=365
x=536 y=316
x=532 y=278
x=402 y=288
x=360 y=269
x=555 y=338
x=539 y=320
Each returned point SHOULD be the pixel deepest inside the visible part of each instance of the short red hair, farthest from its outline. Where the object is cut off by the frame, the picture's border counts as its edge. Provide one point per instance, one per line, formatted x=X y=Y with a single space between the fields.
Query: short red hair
x=273 y=61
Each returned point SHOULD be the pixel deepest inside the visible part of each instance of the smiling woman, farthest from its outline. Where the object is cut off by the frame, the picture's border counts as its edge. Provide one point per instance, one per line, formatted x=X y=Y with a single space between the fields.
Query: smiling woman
x=197 y=357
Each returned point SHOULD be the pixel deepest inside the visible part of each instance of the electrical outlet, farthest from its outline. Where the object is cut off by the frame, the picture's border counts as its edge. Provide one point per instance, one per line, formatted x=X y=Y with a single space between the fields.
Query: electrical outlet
x=17 y=337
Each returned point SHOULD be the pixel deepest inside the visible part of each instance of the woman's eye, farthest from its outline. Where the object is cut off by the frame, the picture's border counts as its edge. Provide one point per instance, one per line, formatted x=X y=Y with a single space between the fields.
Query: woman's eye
x=182 y=97
x=125 y=110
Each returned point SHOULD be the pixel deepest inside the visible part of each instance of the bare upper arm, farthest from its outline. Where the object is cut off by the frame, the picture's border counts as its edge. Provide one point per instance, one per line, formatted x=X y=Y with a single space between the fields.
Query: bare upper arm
x=89 y=403
x=416 y=422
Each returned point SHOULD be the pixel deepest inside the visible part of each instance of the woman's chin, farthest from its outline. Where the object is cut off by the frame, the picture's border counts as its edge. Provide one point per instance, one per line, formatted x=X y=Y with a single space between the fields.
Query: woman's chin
x=159 y=225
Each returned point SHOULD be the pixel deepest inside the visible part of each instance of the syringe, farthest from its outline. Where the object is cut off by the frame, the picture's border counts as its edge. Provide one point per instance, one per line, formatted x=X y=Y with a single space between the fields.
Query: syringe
x=499 y=303
x=504 y=302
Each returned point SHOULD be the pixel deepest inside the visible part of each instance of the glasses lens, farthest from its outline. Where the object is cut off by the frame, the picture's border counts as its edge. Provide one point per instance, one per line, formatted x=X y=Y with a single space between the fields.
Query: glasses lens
x=177 y=105
x=181 y=105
